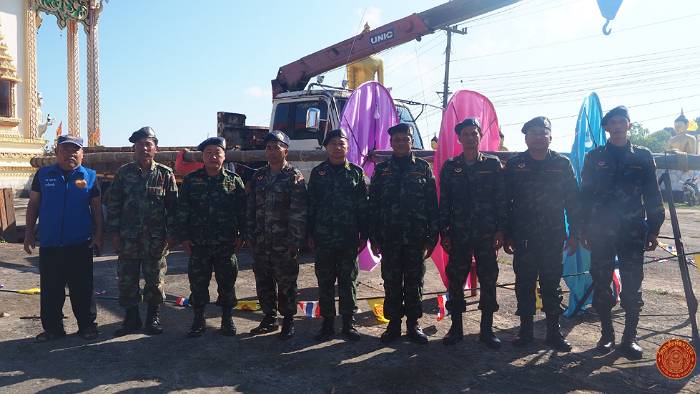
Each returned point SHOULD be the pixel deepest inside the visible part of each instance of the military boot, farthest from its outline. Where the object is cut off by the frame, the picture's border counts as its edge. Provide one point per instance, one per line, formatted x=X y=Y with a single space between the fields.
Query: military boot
x=228 y=328
x=288 y=329
x=554 y=337
x=629 y=346
x=456 y=332
x=526 y=332
x=132 y=322
x=267 y=324
x=392 y=332
x=349 y=331
x=153 y=326
x=199 y=323
x=327 y=329
x=607 y=333
x=415 y=332
x=486 y=334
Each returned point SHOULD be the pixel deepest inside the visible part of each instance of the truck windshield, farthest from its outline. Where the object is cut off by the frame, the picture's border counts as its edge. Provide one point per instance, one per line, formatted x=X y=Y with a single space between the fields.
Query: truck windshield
x=405 y=116
x=291 y=119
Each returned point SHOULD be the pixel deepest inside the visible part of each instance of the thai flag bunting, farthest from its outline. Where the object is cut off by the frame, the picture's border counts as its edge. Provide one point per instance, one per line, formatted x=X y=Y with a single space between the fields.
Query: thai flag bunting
x=182 y=301
x=442 y=309
x=310 y=309
x=616 y=284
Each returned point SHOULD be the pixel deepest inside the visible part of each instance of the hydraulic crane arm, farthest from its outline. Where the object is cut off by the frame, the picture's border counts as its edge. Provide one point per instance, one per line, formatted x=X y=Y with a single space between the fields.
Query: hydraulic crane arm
x=294 y=76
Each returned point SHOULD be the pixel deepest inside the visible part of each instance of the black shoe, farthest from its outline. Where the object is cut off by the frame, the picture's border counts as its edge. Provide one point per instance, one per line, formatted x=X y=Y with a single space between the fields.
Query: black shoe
x=349 y=331
x=554 y=337
x=153 y=326
x=606 y=343
x=199 y=323
x=327 y=329
x=392 y=332
x=132 y=322
x=288 y=329
x=228 y=328
x=486 y=334
x=415 y=332
x=631 y=349
x=456 y=332
x=526 y=332
x=89 y=333
x=47 y=336
x=268 y=324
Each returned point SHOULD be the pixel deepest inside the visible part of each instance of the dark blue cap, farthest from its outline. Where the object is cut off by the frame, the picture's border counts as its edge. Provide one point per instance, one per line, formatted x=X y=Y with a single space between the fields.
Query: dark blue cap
x=143 y=132
x=218 y=141
x=334 y=133
x=467 y=122
x=540 y=121
x=278 y=136
x=620 y=110
x=70 y=139
x=401 y=128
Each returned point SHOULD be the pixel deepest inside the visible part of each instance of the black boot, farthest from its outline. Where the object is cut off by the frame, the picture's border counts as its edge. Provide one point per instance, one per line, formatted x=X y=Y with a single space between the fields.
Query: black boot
x=327 y=329
x=227 y=327
x=456 y=332
x=554 y=337
x=415 y=332
x=153 y=326
x=392 y=332
x=486 y=334
x=199 y=323
x=132 y=322
x=629 y=346
x=267 y=324
x=288 y=329
x=526 y=332
x=607 y=333
x=349 y=331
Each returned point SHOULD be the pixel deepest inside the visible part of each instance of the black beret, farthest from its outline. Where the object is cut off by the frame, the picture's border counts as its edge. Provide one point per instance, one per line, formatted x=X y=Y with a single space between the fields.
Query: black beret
x=620 y=110
x=143 y=132
x=401 y=128
x=278 y=136
x=467 y=122
x=540 y=121
x=218 y=141
x=334 y=133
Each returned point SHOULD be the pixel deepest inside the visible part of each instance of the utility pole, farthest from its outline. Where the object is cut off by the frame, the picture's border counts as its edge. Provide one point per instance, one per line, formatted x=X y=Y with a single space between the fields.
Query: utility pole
x=448 y=49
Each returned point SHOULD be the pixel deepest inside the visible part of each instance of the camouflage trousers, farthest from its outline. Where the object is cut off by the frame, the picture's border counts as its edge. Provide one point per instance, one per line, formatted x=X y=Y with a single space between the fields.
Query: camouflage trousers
x=458 y=267
x=341 y=265
x=403 y=270
x=631 y=258
x=204 y=260
x=538 y=259
x=276 y=281
x=128 y=273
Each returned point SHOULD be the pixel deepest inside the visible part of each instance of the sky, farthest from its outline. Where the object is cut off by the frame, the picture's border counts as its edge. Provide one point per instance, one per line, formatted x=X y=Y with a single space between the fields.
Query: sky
x=172 y=64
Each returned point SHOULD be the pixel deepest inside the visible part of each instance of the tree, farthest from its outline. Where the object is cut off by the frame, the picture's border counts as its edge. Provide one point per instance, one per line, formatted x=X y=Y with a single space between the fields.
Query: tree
x=655 y=142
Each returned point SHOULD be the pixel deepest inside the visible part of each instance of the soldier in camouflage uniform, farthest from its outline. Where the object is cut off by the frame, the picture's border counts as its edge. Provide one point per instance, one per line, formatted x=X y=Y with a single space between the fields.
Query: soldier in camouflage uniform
x=141 y=205
x=211 y=227
x=541 y=187
x=623 y=213
x=337 y=227
x=403 y=229
x=277 y=209
x=473 y=216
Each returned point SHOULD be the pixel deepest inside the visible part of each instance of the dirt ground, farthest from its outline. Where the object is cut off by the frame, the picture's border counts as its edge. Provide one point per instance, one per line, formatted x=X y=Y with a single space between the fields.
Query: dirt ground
x=213 y=363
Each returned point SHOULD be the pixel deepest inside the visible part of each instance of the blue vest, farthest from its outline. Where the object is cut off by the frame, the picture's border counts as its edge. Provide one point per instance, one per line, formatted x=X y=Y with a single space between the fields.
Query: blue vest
x=65 y=218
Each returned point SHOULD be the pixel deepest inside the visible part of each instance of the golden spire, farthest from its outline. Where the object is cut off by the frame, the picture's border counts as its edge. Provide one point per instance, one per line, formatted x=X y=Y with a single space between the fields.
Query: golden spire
x=7 y=67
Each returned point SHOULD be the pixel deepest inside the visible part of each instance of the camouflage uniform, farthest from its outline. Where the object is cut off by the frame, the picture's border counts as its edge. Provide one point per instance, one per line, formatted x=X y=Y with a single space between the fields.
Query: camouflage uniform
x=211 y=214
x=337 y=221
x=277 y=208
x=141 y=208
x=472 y=209
x=404 y=221
x=538 y=193
x=619 y=191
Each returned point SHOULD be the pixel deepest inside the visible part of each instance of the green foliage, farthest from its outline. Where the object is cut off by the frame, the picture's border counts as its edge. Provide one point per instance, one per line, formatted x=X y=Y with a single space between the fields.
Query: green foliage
x=656 y=141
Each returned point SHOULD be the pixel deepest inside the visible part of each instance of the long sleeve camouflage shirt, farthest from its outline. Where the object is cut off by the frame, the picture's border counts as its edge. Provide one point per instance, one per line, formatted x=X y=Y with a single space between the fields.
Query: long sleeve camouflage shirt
x=277 y=208
x=141 y=206
x=403 y=207
x=538 y=194
x=619 y=191
x=211 y=209
x=472 y=198
x=337 y=205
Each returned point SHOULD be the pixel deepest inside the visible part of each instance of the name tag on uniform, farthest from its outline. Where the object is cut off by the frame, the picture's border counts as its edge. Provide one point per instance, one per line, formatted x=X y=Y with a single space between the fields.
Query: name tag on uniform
x=155 y=191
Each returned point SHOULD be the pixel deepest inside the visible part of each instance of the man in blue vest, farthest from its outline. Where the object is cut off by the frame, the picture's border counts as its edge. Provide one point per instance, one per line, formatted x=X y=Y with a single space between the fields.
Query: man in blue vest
x=65 y=197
